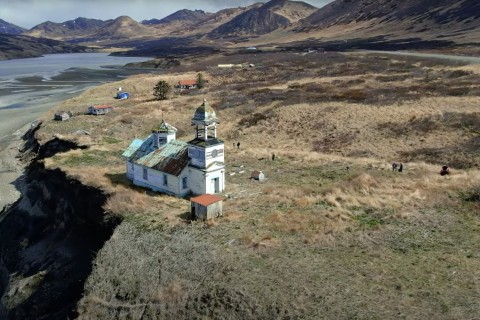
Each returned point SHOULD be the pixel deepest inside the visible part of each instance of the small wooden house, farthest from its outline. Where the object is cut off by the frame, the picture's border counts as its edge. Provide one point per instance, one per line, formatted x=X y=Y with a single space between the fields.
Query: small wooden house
x=206 y=206
x=187 y=84
x=97 y=110
x=258 y=175
x=62 y=116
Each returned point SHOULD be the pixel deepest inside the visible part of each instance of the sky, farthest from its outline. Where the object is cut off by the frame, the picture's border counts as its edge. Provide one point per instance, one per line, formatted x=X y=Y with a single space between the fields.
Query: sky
x=29 y=13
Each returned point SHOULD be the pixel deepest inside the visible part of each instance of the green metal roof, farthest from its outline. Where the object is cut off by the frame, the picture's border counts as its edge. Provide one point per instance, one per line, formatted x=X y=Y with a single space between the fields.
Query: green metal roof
x=171 y=158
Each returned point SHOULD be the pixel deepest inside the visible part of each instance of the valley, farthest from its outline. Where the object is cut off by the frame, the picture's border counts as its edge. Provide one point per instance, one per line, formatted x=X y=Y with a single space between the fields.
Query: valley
x=324 y=103
x=331 y=231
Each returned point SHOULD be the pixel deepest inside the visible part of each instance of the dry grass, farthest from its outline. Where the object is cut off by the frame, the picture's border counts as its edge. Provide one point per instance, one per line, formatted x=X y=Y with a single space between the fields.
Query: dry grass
x=331 y=223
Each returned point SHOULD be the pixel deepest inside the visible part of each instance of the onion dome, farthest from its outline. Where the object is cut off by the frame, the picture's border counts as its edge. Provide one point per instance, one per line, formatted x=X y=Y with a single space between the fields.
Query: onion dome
x=205 y=114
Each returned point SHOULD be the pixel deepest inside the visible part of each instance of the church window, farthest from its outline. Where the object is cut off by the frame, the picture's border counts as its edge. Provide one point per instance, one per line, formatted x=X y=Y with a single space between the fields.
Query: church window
x=165 y=180
x=145 y=174
x=184 y=183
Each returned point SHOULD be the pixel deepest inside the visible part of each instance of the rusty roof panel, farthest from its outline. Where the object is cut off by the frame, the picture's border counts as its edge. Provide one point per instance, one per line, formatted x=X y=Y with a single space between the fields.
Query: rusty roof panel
x=206 y=199
x=171 y=158
x=189 y=82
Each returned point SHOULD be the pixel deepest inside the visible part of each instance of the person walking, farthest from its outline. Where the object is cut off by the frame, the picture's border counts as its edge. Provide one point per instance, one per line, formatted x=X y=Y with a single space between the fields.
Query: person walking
x=273 y=156
x=238 y=145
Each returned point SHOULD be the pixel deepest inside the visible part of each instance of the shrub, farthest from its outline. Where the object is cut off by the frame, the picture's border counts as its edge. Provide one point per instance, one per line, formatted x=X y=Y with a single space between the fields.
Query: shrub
x=200 y=81
x=161 y=90
x=472 y=195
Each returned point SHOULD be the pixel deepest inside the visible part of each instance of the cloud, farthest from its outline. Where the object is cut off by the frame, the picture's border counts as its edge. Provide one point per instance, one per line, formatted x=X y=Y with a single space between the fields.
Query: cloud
x=28 y=13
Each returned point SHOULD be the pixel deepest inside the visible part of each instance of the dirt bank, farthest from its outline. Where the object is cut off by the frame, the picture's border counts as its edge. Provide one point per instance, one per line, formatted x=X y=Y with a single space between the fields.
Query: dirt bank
x=48 y=240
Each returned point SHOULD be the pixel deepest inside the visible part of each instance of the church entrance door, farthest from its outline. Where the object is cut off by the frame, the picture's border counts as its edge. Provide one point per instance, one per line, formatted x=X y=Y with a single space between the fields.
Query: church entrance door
x=216 y=184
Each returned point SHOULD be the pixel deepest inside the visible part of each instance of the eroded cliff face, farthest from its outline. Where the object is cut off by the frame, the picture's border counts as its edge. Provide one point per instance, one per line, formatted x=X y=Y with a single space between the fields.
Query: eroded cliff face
x=48 y=239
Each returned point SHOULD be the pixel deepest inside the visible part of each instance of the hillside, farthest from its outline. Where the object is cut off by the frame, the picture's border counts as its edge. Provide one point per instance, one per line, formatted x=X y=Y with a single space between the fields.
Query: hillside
x=219 y=18
x=68 y=30
x=188 y=17
x=123 y=27
x=411 y=18
x=15 y=46
x=371 y=243
x=263 y=19
x=9 y=28
x=292 y=10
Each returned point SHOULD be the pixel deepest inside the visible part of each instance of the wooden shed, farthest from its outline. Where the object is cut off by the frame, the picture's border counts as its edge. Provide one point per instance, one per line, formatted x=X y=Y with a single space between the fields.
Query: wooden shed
x=206 y=206
x=258 y=175
x=96 y=110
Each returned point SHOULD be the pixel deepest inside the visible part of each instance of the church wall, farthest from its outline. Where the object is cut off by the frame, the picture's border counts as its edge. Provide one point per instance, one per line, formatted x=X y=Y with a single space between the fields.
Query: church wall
x=219 y=149
x=155 y=180
x=197 y=181
x=130 y=169
x=203 y=157
x=201 y=182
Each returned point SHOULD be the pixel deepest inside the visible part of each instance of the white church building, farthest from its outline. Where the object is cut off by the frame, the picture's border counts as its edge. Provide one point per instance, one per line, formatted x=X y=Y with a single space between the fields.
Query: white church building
x=164 y=164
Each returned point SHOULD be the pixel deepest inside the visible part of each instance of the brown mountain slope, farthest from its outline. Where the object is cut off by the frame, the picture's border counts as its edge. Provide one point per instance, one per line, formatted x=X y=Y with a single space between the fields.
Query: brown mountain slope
x=219 y=18
x=78 y=28
x=292 y=10
x=455 y=19
x=263 y=19
x=9 y=28
x=123 y=27
x=179 y=22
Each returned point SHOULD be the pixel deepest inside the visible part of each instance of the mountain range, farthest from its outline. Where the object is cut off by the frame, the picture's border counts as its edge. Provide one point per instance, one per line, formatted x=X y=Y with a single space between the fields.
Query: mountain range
x=279 y=22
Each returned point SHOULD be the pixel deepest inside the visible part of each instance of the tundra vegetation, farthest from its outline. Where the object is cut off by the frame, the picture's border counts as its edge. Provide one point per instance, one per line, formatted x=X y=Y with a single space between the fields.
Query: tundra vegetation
x=332 y=232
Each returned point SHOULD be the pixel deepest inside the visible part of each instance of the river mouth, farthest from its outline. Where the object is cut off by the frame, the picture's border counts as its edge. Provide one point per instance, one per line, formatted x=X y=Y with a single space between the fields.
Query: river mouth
x=30 y=87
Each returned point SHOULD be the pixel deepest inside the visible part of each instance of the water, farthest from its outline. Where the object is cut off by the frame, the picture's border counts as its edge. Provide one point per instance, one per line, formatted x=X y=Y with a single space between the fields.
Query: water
x=53 y=64
x=29 y=87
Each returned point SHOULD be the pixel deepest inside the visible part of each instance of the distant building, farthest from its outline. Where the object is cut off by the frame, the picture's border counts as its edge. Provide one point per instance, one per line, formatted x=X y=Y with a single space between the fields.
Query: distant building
x=230 y=65
x=98 y=110
x=62 y=116
x=187 y=84
x=206 y=206
x=123 y=95
x=164 y=164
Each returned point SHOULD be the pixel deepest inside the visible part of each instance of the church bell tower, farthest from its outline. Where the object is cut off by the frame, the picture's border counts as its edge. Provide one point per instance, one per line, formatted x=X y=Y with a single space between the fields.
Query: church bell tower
x=206 y=153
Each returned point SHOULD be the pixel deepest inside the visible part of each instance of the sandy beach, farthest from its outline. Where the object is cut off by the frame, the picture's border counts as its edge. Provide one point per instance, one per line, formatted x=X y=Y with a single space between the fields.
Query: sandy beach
x=13 y=125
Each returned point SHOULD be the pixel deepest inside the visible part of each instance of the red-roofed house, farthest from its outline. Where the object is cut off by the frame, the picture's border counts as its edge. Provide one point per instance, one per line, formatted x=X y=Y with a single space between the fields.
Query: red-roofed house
x=206 y=206
x=187 y=84
x=96 y=110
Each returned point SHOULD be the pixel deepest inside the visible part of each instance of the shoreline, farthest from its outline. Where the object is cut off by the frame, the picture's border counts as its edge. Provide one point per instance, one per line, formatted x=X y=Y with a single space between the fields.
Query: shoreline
x=11 y=167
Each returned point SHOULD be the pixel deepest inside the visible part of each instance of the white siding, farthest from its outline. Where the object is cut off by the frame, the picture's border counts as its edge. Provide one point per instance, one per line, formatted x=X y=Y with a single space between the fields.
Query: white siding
x=203 y=157
x=130 y=170
x=197 y=181
x=202 y=182
x=197 y=156
x=155 y=180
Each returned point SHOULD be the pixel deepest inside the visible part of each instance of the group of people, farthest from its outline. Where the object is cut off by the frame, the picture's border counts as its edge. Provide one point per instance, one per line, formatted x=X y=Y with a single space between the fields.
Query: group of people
x=399 y=167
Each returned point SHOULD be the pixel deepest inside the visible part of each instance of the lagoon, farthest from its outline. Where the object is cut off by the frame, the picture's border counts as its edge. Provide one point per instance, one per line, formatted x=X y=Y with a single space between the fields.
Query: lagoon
x=29 y=87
